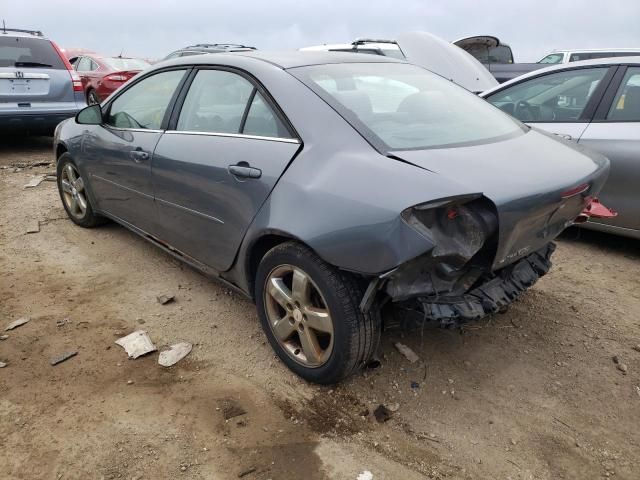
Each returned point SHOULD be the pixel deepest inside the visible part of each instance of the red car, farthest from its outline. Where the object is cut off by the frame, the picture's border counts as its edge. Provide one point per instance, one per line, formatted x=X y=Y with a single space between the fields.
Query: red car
x=102 y=75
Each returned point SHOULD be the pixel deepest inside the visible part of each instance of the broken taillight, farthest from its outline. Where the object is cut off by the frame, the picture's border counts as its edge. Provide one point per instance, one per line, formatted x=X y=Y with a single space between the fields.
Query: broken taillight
x=594 y=209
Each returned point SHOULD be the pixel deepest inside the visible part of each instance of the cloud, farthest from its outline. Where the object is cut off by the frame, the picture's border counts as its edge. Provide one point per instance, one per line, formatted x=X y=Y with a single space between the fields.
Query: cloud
x=155 y=28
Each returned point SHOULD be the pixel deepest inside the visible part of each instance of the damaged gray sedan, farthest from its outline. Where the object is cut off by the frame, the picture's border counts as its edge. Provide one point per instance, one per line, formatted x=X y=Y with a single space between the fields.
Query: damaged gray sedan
x=326 y=187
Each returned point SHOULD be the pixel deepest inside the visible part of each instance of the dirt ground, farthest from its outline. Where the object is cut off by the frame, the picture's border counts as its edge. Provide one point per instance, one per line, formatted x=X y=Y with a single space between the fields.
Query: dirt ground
x=529 y=394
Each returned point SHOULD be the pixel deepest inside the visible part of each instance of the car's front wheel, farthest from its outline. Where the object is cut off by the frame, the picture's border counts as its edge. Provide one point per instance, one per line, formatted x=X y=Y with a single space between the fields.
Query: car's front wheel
x=92 y=97
x=310 y=313
x=73 y=193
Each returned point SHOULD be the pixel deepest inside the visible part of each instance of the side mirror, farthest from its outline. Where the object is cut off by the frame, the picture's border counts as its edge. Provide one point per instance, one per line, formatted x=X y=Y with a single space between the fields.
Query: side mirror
x=91 y=115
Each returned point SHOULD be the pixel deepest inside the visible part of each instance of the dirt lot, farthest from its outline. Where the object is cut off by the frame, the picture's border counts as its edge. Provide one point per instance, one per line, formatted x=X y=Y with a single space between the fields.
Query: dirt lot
x=531 y=393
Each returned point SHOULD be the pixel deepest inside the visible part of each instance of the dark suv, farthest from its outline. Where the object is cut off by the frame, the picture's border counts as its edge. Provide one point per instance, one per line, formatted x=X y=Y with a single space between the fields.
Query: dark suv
x=202 y=48
x=38 y=86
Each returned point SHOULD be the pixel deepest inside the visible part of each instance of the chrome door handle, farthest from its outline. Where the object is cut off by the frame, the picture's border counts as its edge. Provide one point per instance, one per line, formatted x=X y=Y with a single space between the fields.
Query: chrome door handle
x=566 y=136
x=243 y=170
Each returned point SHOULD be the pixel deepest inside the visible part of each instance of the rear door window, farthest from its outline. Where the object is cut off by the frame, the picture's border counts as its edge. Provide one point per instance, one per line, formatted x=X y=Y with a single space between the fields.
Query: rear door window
x=555 y=97
x=626 y=104
x=83 y=65
x=144 y=104
x=27 y=52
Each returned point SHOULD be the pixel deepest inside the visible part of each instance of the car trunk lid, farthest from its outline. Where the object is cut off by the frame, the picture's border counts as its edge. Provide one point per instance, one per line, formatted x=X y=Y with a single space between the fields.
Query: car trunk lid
x=538 y=186
x=447 y=60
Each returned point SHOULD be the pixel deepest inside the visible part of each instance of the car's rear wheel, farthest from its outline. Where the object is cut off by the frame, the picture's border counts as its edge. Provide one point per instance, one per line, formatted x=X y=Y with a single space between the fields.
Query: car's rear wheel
x=92 y=97
x=73 y=193
x=310 y=313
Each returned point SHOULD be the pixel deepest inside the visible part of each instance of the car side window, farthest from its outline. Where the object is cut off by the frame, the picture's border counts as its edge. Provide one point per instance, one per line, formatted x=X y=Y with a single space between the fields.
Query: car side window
x=262 y=121
x=215 y=103
x=93 y=65
x=83 y=65
x=555 y=97
x=143 y=105
x=626 y=104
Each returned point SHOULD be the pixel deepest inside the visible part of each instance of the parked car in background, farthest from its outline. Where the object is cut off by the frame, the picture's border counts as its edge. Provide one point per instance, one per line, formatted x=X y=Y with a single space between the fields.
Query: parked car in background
x=102 y=75
x=496 y=56
x=38 y=87
x=426 y=50
x=567 y=56
x=202 y=48
x=594 y=103
x=326 y=185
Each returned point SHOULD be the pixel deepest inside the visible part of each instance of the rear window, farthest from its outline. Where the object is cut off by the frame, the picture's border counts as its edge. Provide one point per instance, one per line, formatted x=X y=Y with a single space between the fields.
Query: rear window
x=25 y=52
x=399 y=106
x=124 y=64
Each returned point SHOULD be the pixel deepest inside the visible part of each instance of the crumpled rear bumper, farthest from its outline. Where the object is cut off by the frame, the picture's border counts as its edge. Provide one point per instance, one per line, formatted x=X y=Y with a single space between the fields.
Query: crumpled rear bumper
x=494 y=294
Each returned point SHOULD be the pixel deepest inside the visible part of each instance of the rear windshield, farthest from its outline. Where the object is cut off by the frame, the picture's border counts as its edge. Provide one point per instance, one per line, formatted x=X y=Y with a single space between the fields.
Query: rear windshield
x=398 y=106
x=25 y=52
x=124 y=64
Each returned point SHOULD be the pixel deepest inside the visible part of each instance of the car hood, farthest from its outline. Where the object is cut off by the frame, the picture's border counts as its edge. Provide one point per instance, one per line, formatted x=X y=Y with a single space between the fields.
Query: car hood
x=527 y=178
x=447 y=60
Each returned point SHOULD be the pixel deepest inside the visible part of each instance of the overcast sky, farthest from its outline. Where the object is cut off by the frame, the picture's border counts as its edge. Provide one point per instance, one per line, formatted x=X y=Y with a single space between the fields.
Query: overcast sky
x=155 y=28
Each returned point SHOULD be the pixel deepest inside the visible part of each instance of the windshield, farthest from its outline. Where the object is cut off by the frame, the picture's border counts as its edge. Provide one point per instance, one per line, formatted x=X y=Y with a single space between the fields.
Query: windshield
x=398 y=106
x=124 y=64
x=553 y=58
x=500 y=54
x=25 y=52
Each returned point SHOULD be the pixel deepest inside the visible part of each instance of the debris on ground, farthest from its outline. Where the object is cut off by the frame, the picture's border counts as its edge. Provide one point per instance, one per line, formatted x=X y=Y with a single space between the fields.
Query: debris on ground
x=175 y=353
x=636 y=347
x=365 y=475
x=415 y=385
x=382 y=414
x=616 y=359
x=407 y=352
x=394 y=407
x=62 y=322
x=34 y=182
x=62 y=358
x=164 y=299
x=246 y=472
x=232 y=409
x=4 y=364
x=50 y=177
x=623 y=368
x=34 y=227
x=17 y=323
x=137 y=344
x=4 y=337
x=638 y=390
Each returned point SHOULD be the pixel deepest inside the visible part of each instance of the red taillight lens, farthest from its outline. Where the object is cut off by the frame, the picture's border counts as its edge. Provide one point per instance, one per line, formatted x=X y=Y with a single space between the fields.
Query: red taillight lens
x=116 y=77
x=75 y=78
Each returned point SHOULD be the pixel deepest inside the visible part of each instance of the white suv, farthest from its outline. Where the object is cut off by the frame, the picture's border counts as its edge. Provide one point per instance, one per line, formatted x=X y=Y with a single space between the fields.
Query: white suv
x=566 y=56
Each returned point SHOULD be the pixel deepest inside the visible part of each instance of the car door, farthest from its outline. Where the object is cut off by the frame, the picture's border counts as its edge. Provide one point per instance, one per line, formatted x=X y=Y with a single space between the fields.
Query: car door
x=118 y=153
x=615 y=132
x=561 y=102
x=227 y=147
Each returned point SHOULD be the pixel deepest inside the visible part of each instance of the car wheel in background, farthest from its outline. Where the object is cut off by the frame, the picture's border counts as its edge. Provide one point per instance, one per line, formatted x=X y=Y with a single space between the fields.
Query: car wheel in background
x=310 y=313
x=73 y=193
x=92 y=97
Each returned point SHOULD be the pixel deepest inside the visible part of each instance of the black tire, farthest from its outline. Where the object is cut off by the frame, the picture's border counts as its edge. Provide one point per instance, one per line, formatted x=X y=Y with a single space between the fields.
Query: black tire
x=92 y=97
x=355 y=335
x=88 y=219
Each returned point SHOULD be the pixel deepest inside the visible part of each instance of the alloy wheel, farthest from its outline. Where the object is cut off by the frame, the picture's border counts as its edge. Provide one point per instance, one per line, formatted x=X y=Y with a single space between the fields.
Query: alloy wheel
x=73 y=191
x=298 y=316
x=92 y=98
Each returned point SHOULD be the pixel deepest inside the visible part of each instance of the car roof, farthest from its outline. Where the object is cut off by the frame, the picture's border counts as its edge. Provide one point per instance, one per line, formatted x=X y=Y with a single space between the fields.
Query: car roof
x=595 y=50
x=606 y=62
x=288 y=59
x=17 y=32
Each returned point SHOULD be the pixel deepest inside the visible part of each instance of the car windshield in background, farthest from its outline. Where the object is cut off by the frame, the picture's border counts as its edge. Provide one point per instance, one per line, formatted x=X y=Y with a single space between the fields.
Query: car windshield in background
x=553 y=58
x=25 y=52
x=124 y=64
x=501 y=54
x=398 y=106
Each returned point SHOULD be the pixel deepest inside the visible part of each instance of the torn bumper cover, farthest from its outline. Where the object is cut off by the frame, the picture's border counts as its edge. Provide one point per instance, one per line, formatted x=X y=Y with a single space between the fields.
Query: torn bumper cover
x=491 y=295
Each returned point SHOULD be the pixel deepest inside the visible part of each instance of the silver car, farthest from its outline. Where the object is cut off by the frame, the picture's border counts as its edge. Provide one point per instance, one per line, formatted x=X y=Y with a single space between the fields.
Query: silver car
x=38 y=87
x=326 y=187
x=595 y=103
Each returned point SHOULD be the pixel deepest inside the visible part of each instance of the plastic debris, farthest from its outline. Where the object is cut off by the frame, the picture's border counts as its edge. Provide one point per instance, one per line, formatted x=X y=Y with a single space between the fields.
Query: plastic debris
x=17 y=323
x=175 y=353
x=34 y=182
x=34 y=227
x=407 y=352
x=137 y=344
x=3 y=364
x=164 y=299
x=4 y=337
x=62 y=358
x=365 y=475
